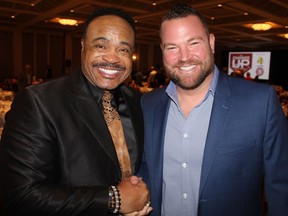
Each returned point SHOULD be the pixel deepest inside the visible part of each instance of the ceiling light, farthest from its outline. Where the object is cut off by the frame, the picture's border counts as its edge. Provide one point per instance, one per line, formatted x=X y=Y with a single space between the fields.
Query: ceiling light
x=270 y=24
x=261 y=26
x=284 y=35
x=70 y=22
x=74 y=23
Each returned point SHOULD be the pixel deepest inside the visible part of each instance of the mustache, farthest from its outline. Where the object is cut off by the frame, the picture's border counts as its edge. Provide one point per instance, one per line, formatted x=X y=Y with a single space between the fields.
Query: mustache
x=188 y=62
x=110 y=65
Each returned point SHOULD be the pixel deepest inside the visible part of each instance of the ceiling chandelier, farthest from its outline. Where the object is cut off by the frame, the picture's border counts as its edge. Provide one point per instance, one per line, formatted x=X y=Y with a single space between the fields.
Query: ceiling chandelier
x=70 y=22
x=261 y=26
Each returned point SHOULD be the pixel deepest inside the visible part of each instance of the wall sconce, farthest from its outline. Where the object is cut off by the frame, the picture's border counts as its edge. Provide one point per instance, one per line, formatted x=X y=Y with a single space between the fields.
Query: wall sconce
x=134 y=57
x=261 y=26
x=70 y=22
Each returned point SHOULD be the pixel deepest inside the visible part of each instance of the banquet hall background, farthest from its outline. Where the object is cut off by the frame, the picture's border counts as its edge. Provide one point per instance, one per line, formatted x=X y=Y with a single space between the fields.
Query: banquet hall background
x=56 y=50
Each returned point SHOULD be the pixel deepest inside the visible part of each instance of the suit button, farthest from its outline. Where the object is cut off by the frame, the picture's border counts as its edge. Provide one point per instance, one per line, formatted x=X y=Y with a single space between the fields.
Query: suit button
x=185 y=195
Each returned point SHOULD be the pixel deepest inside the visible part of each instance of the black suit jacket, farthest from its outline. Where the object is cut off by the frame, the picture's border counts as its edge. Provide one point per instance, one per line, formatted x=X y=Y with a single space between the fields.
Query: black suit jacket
x=56 y=154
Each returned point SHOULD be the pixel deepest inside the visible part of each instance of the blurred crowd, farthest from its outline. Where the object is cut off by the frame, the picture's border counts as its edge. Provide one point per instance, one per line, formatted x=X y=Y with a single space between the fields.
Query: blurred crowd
x=144 y=81
x=25 y=78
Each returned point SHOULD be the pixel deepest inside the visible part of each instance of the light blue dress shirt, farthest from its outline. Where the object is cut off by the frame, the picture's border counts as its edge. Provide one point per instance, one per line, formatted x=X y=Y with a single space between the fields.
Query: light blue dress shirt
x=185 y=139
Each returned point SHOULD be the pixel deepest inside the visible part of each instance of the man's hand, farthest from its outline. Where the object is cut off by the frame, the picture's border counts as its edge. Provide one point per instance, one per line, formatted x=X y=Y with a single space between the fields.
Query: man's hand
x=134 y=195
x=134 y=180
x=145 y=211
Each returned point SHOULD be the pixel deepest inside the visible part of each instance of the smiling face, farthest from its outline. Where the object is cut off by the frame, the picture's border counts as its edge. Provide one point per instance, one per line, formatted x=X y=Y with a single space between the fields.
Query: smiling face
x=107 y=50
x=187 y=51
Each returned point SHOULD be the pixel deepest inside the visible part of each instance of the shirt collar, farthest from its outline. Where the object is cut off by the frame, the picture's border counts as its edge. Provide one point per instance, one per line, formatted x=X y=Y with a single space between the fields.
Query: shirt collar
x=213 y=85
x=98 y=93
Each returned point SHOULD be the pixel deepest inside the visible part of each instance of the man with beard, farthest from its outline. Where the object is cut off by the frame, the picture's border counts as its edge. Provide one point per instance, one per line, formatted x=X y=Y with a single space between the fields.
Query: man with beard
x=57 y=156
x=211 y=141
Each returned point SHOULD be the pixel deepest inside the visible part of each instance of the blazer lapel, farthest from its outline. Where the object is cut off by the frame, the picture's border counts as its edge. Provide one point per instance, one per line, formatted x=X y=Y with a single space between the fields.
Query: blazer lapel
x=158 y=136
x=219 y=113
x=90 y=112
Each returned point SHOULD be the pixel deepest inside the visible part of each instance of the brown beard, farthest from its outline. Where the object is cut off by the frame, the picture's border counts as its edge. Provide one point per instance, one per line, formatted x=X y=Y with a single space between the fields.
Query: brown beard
x=209 y=67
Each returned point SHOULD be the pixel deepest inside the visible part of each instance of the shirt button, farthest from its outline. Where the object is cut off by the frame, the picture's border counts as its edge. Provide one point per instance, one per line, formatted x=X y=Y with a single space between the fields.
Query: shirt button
x=184 y=165
x=185 y=195
x=185 y=135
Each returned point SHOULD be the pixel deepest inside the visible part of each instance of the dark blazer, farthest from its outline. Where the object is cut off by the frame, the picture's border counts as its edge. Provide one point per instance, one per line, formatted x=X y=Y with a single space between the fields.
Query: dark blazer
x=247 y=139
x=56 y=154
